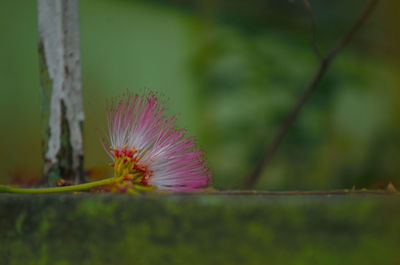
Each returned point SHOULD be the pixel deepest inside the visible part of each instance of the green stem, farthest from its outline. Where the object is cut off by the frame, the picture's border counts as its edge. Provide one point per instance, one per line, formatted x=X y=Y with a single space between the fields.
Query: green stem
x=85 y=186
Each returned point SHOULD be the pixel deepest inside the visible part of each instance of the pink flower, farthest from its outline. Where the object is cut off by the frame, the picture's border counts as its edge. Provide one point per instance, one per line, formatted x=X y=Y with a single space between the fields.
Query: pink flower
x=149 y=150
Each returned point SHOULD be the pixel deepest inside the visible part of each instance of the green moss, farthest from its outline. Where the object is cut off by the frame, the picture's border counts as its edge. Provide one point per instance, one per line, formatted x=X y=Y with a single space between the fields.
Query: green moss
x=199 y=229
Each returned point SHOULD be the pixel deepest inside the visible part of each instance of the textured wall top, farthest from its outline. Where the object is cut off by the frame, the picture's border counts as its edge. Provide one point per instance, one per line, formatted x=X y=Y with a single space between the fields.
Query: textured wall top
x=199 y=229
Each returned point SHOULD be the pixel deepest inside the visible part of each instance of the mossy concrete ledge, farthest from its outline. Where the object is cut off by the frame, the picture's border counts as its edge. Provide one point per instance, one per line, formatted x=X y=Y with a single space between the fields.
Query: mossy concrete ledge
x=199 y=229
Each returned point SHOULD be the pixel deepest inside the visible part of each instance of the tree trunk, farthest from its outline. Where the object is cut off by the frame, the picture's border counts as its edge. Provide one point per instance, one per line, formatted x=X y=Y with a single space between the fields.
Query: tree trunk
x=61 y=93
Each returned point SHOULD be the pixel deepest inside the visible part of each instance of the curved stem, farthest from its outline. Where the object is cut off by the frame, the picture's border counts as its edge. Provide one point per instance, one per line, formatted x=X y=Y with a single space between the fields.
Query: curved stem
x=85 y=186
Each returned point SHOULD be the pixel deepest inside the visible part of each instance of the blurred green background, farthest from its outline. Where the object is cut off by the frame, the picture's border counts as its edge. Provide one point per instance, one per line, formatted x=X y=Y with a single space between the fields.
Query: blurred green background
x=231 y=70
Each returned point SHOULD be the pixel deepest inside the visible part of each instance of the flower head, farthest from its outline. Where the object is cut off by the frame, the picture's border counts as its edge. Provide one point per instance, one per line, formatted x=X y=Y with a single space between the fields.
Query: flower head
x=149 y=150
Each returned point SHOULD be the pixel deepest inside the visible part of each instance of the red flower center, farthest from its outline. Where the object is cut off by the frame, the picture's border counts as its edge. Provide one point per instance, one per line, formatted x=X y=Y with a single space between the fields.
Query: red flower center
x=127 y=165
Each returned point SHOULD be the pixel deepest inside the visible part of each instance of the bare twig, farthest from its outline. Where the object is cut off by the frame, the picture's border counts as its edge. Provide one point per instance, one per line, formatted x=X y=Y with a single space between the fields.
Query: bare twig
x=314 y=42
x=323 y=66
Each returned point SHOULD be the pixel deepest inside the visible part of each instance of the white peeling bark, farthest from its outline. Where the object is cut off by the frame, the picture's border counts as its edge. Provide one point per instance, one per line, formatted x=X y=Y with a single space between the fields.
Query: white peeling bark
x=62 y=108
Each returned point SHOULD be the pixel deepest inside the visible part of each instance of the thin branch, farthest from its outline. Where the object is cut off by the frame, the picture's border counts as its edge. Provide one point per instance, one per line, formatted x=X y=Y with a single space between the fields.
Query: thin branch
x=314 y=41
x=326 y=61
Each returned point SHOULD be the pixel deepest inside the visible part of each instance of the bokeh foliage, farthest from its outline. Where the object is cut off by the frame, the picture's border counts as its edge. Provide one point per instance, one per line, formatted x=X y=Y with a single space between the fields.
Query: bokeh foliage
x=231 y=70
